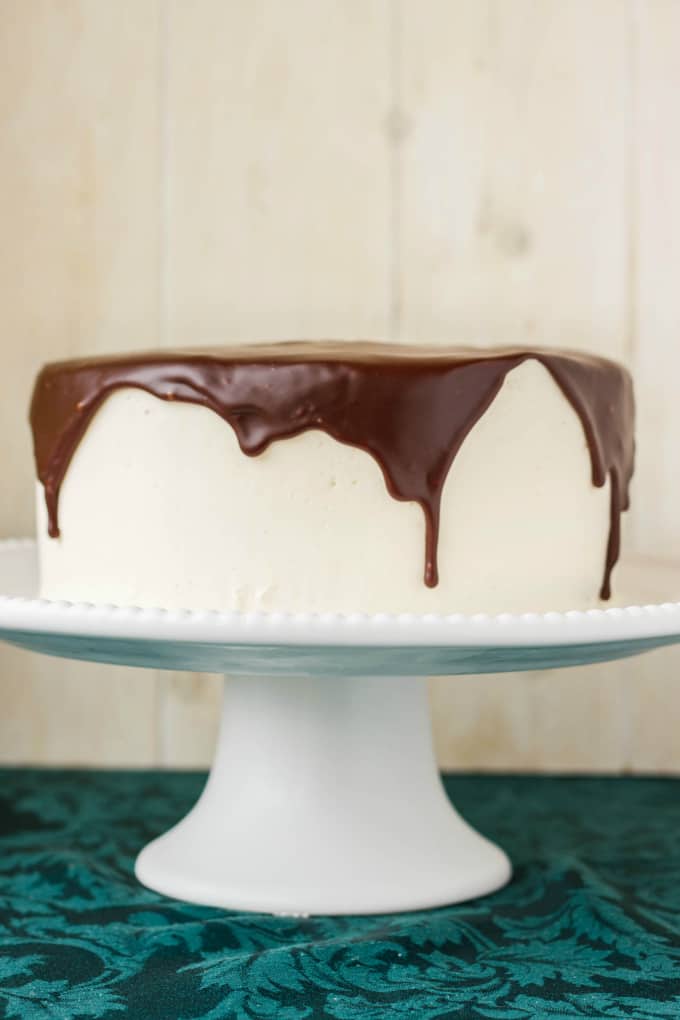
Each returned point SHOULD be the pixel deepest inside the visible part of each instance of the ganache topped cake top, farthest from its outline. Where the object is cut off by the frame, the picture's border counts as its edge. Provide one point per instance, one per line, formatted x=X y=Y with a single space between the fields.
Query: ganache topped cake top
x=411 y=408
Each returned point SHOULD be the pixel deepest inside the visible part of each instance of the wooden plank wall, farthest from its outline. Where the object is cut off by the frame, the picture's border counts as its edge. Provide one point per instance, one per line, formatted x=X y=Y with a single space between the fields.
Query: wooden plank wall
x=464 y=170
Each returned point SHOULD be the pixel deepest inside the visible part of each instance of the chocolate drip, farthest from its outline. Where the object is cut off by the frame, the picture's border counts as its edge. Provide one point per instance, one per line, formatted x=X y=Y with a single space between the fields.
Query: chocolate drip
x=410 y=408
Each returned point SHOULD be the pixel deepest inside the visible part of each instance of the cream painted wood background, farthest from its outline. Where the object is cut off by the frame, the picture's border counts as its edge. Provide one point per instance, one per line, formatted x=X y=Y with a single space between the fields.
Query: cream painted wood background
x=177 y=172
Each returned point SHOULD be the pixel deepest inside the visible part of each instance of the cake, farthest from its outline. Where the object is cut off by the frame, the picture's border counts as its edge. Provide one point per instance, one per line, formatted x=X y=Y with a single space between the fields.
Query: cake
x=328 y=477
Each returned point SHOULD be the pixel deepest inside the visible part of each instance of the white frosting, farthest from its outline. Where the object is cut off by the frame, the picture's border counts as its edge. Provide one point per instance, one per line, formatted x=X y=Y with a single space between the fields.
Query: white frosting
x=159 y=507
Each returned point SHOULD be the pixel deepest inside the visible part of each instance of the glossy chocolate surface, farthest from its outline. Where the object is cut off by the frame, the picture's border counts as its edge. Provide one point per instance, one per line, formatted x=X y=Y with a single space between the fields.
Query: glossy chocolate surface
x=409 y=407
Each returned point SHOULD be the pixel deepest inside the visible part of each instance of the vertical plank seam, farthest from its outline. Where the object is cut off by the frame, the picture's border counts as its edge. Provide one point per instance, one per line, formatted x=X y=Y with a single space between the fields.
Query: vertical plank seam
x=394 y=141
x=163 y=177
x=632 y=176
x=162 y=142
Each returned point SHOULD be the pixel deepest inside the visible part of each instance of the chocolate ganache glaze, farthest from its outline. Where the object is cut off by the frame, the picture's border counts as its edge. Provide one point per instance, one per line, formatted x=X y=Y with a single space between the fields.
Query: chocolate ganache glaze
x=409 y=407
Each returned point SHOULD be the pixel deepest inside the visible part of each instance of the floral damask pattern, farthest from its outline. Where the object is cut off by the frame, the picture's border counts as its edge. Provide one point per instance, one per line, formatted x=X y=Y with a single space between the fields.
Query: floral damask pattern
x=589 y=926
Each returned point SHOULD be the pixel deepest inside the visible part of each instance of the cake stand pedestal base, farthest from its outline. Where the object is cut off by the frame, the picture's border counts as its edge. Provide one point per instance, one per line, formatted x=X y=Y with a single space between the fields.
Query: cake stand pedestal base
x=324 y=798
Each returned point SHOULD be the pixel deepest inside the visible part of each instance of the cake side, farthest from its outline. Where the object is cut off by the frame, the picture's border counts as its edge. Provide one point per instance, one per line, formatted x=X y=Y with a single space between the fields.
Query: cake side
x=411 y=409
x=161 y=507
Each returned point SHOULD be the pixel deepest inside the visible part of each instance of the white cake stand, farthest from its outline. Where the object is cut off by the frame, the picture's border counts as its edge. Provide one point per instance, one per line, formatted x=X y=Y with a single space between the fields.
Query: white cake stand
x=324 y=797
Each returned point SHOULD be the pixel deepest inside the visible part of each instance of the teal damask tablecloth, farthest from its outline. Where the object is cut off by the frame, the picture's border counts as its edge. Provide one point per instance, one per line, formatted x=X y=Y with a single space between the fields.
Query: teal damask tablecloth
x=589 y=927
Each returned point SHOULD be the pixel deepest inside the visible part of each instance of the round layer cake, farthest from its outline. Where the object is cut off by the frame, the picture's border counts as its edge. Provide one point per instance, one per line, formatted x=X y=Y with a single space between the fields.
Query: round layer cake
x=354 y=477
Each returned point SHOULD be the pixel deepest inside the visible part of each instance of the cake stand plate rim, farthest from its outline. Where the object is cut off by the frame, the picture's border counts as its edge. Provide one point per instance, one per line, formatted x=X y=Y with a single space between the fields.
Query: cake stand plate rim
x=463 y=643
